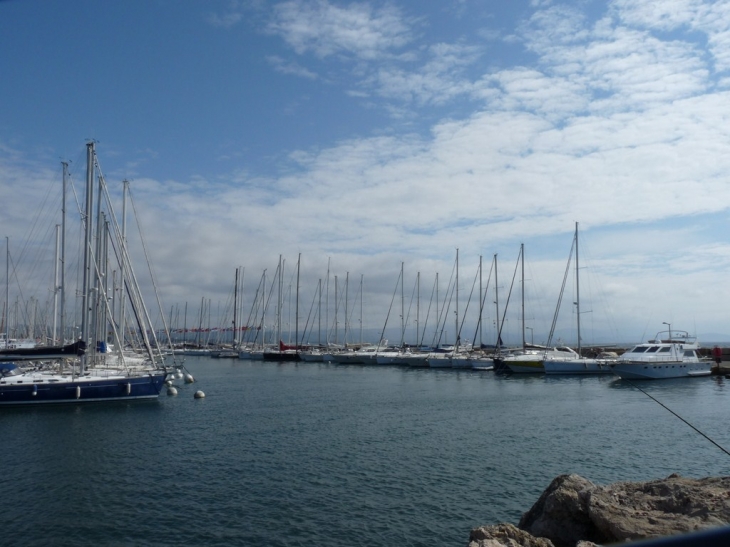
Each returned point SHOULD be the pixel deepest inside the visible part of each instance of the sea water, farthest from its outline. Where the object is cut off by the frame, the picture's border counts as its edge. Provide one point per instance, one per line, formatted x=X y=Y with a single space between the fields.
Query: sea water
x=330 y=455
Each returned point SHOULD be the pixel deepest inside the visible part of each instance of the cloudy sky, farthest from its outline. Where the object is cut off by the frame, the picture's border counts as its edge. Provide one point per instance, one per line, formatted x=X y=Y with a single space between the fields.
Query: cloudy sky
x=364 y=135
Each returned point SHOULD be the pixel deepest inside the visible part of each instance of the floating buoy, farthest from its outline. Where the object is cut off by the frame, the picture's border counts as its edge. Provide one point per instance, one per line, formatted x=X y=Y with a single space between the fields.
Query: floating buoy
x=168 y=382
x=172 y=390
x=199 y=395
x=179 y=374
x=189 y=378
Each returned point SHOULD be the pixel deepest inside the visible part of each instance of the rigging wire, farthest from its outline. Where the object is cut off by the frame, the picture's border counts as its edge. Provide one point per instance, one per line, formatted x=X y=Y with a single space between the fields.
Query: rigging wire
x=677 y=415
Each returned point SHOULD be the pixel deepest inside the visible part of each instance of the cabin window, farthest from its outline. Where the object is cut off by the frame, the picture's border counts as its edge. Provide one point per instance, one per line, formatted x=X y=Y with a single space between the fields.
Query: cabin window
x=689 y=353
x=665 y=349
x=639 y=349
x=652 y=349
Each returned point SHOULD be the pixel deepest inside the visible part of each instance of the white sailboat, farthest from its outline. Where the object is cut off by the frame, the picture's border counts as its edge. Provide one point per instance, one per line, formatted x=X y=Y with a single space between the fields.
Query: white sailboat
x=576 y=363
x=88 y=378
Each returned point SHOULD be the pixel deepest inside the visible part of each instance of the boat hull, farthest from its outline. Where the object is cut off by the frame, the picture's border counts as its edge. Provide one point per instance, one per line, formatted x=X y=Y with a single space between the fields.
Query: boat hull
x=577 y=366
x=656 y=371
x=81 y=390
x=281 y=356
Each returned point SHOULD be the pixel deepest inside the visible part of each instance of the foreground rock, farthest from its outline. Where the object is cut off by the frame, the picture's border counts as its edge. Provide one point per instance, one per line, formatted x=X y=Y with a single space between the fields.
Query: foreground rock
x=574 y=510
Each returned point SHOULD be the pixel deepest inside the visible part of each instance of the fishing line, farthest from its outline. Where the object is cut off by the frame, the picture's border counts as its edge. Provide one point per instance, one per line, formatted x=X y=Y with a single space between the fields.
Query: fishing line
x=677 y=415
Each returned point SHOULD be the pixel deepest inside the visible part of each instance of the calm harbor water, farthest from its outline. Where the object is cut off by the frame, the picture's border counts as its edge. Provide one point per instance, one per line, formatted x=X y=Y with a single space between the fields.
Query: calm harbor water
x=328 y=455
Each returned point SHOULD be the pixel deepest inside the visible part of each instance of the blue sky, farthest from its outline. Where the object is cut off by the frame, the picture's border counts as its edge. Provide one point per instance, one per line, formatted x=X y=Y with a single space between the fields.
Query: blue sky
x=368 y=134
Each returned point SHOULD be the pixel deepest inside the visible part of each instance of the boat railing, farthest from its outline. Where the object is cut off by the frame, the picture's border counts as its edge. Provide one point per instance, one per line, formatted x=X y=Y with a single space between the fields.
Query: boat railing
x=673 y=337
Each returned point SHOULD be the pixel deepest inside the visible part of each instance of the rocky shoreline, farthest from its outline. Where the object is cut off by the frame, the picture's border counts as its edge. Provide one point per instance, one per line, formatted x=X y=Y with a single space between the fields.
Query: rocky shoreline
x=573 y=511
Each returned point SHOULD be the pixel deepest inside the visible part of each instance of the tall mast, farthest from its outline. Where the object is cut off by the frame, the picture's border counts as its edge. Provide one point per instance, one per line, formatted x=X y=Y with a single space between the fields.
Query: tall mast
x=456 y=325
x=347 y=296
x=438 y=317
x=327 y=300
x=402 y=310
x=496 y=301
x=7 y=292
x=54 y=333
x=123 y=267
x=319 y=314
x=264 y=302
x=296 y=309
x=362 y=276
x=281 y=289
x=522 y=256
x=418 y=305
x=235 y=310
x=62 y=272
x=86 y=282
x=577 y=287
x=336 y=309
x=480 y=303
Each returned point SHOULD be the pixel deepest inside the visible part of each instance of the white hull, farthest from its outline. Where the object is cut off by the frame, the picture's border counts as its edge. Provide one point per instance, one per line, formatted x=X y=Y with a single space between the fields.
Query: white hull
x=482 y=363
x=658 y=371
x=442 y=361
x=578 y=366
x=667 y=356
x=460 y=362
x=417 y=361
x=311 y=357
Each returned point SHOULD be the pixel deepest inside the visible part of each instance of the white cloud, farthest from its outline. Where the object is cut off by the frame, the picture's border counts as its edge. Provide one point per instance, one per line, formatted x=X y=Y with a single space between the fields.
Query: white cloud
x=709 y=18
x=326 y=29
x=288 y=67
x=618 y=125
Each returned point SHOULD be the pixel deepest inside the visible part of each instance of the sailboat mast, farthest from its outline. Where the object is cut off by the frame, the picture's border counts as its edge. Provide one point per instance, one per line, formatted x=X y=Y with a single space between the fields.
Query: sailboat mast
x=577 y=288
x=54 y=333
x=362 y=276
x=480 y=302
x=86 y=280
x=280 y=301
x=123 y=267
x=522 y=257
x=296 y=309
x=319 y=314
x=456 y=320
x=402 y=310
x=347 y=297
x=418 y=304
x=7 y=292
x=498 y=344
x=235 y=310
x=62 y=269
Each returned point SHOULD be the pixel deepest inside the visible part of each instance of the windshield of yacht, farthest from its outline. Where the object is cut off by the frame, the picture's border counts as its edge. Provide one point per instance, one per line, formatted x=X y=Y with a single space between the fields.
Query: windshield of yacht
x=639 y=349
x=9 y=369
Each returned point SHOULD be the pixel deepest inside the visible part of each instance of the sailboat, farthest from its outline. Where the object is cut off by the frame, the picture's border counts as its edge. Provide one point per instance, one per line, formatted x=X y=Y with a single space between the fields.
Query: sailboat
x=82 y=376
x=284 y=352
x=576 y=363
x=527 y=359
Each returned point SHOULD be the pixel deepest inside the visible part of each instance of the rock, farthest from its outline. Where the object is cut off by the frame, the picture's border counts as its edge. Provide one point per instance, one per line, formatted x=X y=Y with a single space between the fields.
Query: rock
x=505 y=535
x=561 y=513
x=665 y=507
x=574 y=511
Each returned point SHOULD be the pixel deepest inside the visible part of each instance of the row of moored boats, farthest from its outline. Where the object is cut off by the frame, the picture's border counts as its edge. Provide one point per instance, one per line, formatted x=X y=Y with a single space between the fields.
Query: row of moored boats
x=670 y=354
